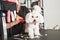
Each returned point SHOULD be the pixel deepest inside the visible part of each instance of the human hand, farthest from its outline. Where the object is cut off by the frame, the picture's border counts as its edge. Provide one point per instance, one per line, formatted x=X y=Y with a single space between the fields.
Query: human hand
x=19 y=19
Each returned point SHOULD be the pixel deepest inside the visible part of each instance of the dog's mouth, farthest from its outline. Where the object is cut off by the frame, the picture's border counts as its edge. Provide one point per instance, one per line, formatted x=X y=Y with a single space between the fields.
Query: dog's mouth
x=34 y=22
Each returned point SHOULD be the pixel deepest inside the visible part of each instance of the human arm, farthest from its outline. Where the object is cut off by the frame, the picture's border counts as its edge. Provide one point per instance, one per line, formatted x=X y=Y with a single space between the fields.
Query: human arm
x=18 y=5
x=11 y=24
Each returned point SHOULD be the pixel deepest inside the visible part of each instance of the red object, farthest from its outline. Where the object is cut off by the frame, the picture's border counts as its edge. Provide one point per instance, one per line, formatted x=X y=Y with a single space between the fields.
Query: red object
x=11 y=1
x=21 y=20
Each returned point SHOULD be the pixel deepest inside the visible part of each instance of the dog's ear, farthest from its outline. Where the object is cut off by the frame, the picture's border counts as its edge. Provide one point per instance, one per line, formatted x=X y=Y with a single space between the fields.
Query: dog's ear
x=41 y=19
x=27 y=18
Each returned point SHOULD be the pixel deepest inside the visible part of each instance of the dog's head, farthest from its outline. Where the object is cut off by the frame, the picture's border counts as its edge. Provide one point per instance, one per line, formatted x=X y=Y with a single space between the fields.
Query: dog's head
x=34 y=17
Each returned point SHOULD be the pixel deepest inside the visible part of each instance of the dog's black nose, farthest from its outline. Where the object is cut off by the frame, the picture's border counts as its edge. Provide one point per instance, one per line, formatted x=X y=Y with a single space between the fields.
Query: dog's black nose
x=34 y=20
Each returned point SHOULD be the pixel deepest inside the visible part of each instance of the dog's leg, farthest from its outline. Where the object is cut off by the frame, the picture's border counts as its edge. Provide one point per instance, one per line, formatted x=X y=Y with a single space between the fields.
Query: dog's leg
x=36 y=31
x=31 y=32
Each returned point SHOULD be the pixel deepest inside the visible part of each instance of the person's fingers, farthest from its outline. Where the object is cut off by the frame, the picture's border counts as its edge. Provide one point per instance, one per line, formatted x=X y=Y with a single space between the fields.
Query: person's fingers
x=18 y=18
x=21 y=20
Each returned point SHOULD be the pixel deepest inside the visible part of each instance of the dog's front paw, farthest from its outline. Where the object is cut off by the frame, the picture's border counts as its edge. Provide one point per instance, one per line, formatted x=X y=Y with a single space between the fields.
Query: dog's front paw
x=31 y=37
x=40 y=35
x=36 y=36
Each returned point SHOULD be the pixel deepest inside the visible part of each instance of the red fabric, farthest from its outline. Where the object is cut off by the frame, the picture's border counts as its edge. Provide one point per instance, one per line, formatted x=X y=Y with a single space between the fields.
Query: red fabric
x=11 y=1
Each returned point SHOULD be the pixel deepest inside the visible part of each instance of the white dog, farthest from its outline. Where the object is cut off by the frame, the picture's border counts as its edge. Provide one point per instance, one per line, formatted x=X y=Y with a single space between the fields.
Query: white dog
x=33 y=19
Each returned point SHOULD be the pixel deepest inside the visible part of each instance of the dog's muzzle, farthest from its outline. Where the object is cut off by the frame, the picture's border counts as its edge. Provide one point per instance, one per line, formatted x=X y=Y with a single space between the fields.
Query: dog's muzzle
x=34 y=22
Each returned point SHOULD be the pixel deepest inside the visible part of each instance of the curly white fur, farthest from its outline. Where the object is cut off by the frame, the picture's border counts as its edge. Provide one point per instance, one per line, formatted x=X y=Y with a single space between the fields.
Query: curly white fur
x=33 y=19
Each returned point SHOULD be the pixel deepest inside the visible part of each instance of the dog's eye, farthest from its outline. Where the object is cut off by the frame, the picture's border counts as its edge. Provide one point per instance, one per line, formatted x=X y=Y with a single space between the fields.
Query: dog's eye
x=32 y=16
x=36 y=16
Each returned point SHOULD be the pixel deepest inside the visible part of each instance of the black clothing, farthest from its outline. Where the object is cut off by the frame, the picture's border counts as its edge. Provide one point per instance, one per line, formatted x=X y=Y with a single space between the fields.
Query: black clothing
x=24 y=10
x=19 y=28
x=8 y=6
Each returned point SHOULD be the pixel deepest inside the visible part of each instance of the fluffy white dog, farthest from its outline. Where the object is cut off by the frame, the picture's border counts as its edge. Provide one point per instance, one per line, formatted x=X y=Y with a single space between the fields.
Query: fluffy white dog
x=33 y=19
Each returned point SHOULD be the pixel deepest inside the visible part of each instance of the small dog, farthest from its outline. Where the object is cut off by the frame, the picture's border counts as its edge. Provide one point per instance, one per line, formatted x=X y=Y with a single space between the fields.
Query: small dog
x=33 y=19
